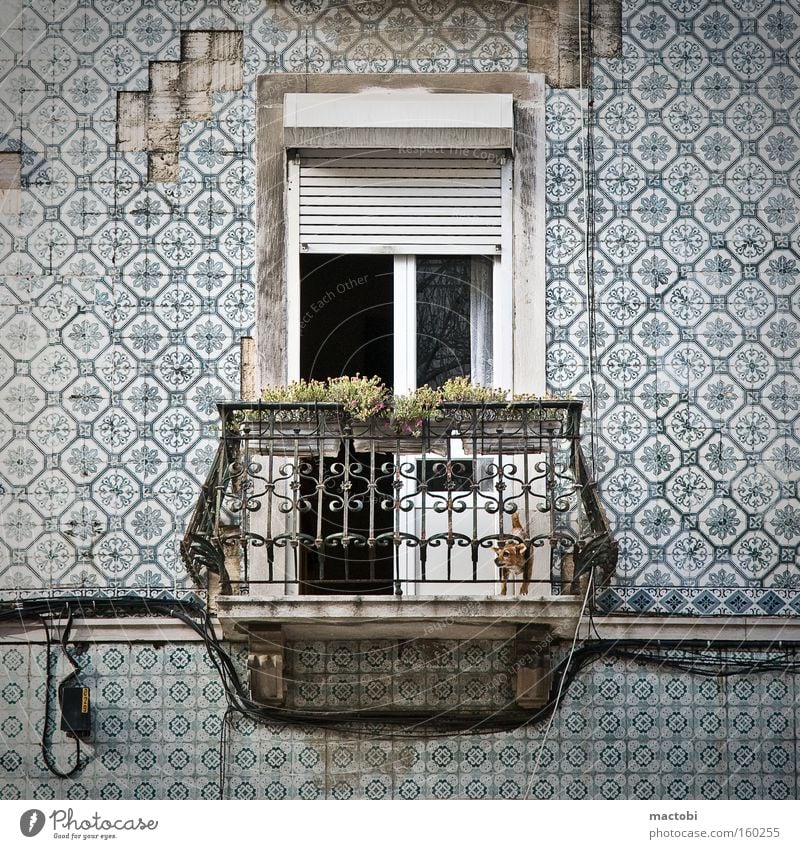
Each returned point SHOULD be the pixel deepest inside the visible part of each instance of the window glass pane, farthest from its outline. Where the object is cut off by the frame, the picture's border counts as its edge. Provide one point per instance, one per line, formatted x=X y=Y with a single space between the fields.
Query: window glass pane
x=454 y=319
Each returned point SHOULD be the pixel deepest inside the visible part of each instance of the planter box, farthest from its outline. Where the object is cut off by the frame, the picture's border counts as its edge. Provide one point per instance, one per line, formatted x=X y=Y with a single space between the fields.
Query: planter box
x=284 y=434
x=382 y=435
x=509 y=435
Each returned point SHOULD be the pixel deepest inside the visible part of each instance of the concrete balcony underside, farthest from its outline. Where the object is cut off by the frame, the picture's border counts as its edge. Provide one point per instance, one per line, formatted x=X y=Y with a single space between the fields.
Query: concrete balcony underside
x=359 y=617
x=777 y=631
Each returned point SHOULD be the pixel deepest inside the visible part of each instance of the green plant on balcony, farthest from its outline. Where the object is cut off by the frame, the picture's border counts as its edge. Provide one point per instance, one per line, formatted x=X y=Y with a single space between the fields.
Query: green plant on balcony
x=412 y=411
x=490 y=423
x=313 y=416
x=403 y=424
x=361 y=398
x=301 y=425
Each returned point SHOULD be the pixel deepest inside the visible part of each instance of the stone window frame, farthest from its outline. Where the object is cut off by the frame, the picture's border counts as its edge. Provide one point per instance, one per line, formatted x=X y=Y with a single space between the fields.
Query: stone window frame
x=528 y=206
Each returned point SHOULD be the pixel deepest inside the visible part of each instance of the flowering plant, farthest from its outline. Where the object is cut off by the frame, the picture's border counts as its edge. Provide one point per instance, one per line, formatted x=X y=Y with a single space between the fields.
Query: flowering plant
x=409 y=412
x=458 y=389
x=360 y=397
x=298 y=391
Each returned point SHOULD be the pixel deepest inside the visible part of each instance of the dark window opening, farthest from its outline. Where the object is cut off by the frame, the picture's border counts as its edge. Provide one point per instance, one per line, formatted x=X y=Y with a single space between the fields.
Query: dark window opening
x=346 y=316
x=346 y=328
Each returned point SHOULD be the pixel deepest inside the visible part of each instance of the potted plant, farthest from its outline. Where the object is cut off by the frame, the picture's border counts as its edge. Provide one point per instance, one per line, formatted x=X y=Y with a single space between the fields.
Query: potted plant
x=361 y=398
x=365 y=402
x=409 y=424
x=300 y=416
x=491 y=424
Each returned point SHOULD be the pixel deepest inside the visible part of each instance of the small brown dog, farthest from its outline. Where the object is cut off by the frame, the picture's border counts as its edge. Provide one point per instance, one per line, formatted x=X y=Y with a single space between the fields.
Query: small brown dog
x=512 y=559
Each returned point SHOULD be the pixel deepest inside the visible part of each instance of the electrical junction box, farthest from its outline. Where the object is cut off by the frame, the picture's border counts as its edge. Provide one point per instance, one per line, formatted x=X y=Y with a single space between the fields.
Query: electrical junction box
x=76 y=718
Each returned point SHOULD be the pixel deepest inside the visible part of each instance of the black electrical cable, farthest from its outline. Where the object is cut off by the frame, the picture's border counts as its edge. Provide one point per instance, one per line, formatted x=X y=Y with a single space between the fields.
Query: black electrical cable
x=421 y=724
x=712 y=669
x=682 y=655
x=66 y=631
x=46 y=740
x=223 y=745
x=239 y=699
x=411 y=725
x=472 y=724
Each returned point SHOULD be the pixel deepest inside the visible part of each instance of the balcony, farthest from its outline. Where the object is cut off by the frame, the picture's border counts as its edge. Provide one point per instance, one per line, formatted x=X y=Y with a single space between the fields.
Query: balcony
x=309 y=520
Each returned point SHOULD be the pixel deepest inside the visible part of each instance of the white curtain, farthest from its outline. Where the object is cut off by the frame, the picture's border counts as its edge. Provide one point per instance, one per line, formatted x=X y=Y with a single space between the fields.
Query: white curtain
x=480 y=320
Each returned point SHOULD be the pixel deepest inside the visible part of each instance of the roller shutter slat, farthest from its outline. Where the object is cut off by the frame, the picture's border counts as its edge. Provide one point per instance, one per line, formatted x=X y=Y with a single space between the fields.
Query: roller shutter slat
x=336 y=206
x=396 y=203
x=399 y=192
x=378 y=183
x=349 y=173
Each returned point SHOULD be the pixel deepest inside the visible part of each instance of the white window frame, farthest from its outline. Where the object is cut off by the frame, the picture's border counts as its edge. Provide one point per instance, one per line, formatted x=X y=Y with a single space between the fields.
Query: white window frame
x=522 y=133
x=405 y=291
x=405 y=318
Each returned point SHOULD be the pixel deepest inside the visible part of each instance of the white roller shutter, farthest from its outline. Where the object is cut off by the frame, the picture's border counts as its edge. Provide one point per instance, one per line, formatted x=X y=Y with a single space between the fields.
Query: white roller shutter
x=388 y=202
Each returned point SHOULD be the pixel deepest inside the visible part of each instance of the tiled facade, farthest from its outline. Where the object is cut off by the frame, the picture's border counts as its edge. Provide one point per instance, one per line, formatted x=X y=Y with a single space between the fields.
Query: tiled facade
x=122 y=304
x=124 y=301
x=695 y=364
x=624 y=731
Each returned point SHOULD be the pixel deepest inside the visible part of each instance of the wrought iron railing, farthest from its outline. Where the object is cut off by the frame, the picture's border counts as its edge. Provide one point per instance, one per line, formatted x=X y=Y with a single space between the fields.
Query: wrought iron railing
x=300 y=499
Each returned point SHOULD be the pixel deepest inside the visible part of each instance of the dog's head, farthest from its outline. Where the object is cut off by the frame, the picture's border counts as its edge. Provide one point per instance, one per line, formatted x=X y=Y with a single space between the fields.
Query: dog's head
x=510 y=555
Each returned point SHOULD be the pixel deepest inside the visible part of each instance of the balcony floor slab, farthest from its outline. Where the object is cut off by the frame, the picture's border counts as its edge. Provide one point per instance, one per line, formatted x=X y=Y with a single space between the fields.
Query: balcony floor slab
x=430 y=617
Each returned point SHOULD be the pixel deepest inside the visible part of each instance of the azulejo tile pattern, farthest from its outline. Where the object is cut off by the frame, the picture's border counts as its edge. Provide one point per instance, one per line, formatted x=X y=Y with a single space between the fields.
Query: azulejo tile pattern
x=122 y=302
x=693 y=371
x=624 y=731
x=401 y=675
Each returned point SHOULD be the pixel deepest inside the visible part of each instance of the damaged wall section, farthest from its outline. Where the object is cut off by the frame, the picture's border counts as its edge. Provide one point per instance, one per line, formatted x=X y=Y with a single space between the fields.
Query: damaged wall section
x=10 y=165
x=179 y=91
x=554 y=46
